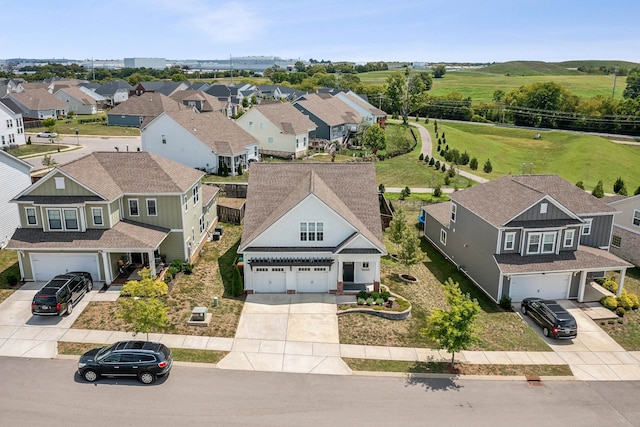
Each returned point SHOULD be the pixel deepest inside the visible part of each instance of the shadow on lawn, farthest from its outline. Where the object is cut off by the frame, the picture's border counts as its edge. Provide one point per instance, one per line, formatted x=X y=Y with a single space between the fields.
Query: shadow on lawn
x=225 y=266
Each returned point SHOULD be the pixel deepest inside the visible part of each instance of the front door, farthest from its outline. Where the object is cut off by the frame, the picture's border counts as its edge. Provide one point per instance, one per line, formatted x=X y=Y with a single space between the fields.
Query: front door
x=347 y=272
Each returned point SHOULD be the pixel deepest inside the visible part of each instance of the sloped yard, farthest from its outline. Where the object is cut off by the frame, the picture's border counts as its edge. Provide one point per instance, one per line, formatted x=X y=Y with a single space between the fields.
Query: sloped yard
x=626 y=331
x=211 y=277
x=497 y=329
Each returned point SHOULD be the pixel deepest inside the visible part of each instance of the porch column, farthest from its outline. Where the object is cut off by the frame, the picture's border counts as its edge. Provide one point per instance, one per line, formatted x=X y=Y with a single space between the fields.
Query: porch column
x=152 y=263
x=233 y=165
x=376 y=278
x=582 y=285
x=107 y=267
x=621 y=284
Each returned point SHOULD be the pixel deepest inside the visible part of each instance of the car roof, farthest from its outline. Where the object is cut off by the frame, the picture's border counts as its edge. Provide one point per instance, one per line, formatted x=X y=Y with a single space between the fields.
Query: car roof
x=137 y=345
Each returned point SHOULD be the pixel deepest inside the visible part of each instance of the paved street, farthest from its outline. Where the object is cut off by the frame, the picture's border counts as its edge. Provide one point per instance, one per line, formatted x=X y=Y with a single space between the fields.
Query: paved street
x=37 y=390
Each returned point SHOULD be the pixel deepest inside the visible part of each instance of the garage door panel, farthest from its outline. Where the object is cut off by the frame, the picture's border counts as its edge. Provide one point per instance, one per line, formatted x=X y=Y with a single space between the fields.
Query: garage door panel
x=312 y=280
x=46 y=266
x=269 y=280
x=547 y=286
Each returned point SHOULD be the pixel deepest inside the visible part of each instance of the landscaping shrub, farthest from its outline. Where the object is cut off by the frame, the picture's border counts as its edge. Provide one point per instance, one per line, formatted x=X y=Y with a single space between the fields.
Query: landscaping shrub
x=361 y=301
x=370 y=301
x=437 y=191
x=363 y=295
x=635 y=303
x=473 y=164
x=375 y=295
x=609 y=302
x=580 y=185
x=620 y=311
x=168 y=277
x=187 y=268
x=625 y=302
x=598 y=190
x=426 y=159
x=610 y=285
x=385 y=295
x=421 y=157
x=505 y=302
x=177 y=264
x=487 y=166
x=379 y=301
x=172 y=271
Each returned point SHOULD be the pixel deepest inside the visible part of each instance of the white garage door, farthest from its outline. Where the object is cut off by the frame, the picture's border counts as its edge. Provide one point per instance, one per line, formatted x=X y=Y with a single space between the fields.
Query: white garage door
x=269 y=280
x=548 y=286
x=46 y=266
x=312 y=279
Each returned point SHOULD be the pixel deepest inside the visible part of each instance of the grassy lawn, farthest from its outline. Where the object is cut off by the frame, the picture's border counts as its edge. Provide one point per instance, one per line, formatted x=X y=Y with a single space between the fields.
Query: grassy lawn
x=35 y=148
x=68 y=127
x=481 y=85
x=211 y=277
x=8 y=267
x=573 y=156
x=179 y=354
x=461 y=368
x=497 y=329
x=627 y=333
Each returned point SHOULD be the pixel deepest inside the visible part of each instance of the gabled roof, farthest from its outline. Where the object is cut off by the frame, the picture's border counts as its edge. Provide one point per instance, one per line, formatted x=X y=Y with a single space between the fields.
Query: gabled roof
x=79 y=94
x=276 y=188
x=169 y=88
x=219 y=90
x=112 y=174
x=111 y=87
x=286 y=117
x=38 y=99
x=357 y=99
x=210 y=103
x=215 y=130
x=331 y=110
x=199 y=86
x=15 y=160
x=501 y=200
x=10 y=105
x=147 y=104
x=152 y=86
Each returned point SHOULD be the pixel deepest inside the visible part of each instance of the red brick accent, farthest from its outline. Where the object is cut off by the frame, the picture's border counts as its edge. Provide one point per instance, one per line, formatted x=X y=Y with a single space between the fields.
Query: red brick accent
x=291 y=291
x=249 y=291
x=376 y=286
x=333 y=291
x=340 y=289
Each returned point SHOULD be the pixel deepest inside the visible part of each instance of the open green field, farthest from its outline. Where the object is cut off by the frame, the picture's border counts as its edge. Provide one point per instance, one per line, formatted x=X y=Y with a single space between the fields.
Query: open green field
x=68 y=127
x=480 y=86
x=573 y=156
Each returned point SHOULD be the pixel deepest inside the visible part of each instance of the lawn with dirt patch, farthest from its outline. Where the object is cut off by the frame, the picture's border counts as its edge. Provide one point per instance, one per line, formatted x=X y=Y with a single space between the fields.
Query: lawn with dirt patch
x=211 y=277
x=9 y=269
x=496 y=329
x=626 y=331
x=31 y=149
x=371 y=365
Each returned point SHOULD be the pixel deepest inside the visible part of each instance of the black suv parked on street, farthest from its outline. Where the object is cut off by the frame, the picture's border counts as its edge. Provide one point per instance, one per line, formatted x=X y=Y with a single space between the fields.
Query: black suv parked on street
x=143 y=359
x=556 y=322
x=59 y=294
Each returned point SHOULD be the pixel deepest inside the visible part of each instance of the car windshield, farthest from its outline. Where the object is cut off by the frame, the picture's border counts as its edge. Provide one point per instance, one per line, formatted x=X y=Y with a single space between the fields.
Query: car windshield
x=45 y=300
x=105 y=350
x=567 y=322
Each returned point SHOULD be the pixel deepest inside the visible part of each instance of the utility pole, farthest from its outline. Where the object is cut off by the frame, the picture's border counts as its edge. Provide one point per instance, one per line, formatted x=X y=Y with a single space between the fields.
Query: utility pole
x=231 y=69
x=615 y=75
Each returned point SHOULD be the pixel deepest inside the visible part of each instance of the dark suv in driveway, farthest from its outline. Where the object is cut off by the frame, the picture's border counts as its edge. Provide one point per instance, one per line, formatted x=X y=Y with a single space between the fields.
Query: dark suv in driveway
x=556 y=322
x=145 y=360
x=59 y=294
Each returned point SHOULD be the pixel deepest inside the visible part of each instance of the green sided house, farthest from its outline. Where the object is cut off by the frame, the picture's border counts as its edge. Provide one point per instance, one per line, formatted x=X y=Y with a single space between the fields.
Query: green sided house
x=110 y=210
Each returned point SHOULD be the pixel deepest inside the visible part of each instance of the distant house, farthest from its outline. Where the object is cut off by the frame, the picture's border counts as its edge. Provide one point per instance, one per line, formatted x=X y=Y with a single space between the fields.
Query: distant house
x=312 y=227
x=17 y=173
x=38 y=104
x=283 y=131
x=165 y=88
x=108 y=208
x=368 y=112
x=11 y=125
x=334 y=119
x=78 y=101
x=203 y=141
x=114 y=92
x=200 y=100
x=526 y=236
x=135 y=110
x=625 y=237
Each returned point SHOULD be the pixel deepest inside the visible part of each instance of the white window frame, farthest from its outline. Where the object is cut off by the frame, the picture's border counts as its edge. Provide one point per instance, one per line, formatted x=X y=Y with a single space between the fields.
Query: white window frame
x=196 y=196
x=543 y=208
x=509 y=240
x=59 y=182
x=185 y=202
x=77 y=218
x=586 y=227
x=542 y=241
x=62 y=212
x=616 y=239
x=155 y=207
x=201 y=224
x=635 y=220
x=35 y=215
x=443 y=236
x=93 y=216
x=454 y=211
x=311 y=231
x=569 y=236
x=137 y=207
x=365 y=265
x=164 y=138
x=59 y=218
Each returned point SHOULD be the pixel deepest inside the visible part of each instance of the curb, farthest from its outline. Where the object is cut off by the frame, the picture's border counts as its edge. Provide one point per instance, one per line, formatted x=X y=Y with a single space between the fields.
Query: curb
x=458 y=377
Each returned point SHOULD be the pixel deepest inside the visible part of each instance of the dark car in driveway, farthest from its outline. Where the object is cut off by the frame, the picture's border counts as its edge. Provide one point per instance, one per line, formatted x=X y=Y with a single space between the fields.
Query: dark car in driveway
x=145 y=360
x=60 y=294
x=556 y=322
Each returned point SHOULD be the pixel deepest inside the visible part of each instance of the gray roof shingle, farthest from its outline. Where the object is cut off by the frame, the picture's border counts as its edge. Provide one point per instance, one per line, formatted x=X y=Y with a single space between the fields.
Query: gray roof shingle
x=286 y=117
x=149 y=104
x=331 y=110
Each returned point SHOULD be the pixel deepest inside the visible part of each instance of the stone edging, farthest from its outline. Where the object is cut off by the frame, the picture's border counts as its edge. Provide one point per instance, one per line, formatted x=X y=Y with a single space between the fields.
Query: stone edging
x=390 y=315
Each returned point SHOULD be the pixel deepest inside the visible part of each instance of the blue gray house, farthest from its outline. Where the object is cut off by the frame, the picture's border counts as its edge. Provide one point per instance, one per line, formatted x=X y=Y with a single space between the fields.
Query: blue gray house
x=137 y=109
x=334 y=119
x=526 y=236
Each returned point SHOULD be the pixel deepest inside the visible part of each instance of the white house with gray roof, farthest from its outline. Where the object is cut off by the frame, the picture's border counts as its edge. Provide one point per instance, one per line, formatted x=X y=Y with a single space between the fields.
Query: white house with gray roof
x=15 y=176
x=112 y=209
x=203 y=141
x=370 y=114
x=310 y=227
x=38 y=104
x=11 y=125
x=282 y=130
x=526 y=236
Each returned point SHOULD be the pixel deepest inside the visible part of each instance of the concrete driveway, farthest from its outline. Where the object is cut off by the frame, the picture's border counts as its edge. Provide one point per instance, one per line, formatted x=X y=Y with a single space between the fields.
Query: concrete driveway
x=287 y=333
x=25 y=335
x=593 y=354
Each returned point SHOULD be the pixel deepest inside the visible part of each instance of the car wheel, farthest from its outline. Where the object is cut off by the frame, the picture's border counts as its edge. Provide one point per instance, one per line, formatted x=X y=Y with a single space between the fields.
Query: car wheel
x=70 y=308
x=89 y=286
x=146 y=377
x=523 y=309
x=90 y=375
x=545 y=331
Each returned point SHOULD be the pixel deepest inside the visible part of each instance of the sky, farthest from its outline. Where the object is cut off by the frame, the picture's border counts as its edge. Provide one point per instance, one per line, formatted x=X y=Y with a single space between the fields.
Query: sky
x=346 y=30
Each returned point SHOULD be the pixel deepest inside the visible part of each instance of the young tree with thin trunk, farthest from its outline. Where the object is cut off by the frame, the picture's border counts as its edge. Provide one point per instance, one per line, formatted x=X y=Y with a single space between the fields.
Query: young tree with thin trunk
x=410 y=252
x=397 y=227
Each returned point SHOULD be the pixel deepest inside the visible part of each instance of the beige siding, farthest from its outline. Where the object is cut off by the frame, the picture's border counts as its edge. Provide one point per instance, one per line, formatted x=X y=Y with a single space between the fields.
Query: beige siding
x=168 y=209
x=23 y=215
x=173 y=247
x=26 y=265
x=89 y=215
x=115 y=211
x=71 y=188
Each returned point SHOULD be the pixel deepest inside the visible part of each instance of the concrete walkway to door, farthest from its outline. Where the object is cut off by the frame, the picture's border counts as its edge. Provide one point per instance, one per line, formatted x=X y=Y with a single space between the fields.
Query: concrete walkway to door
x=287 y=333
